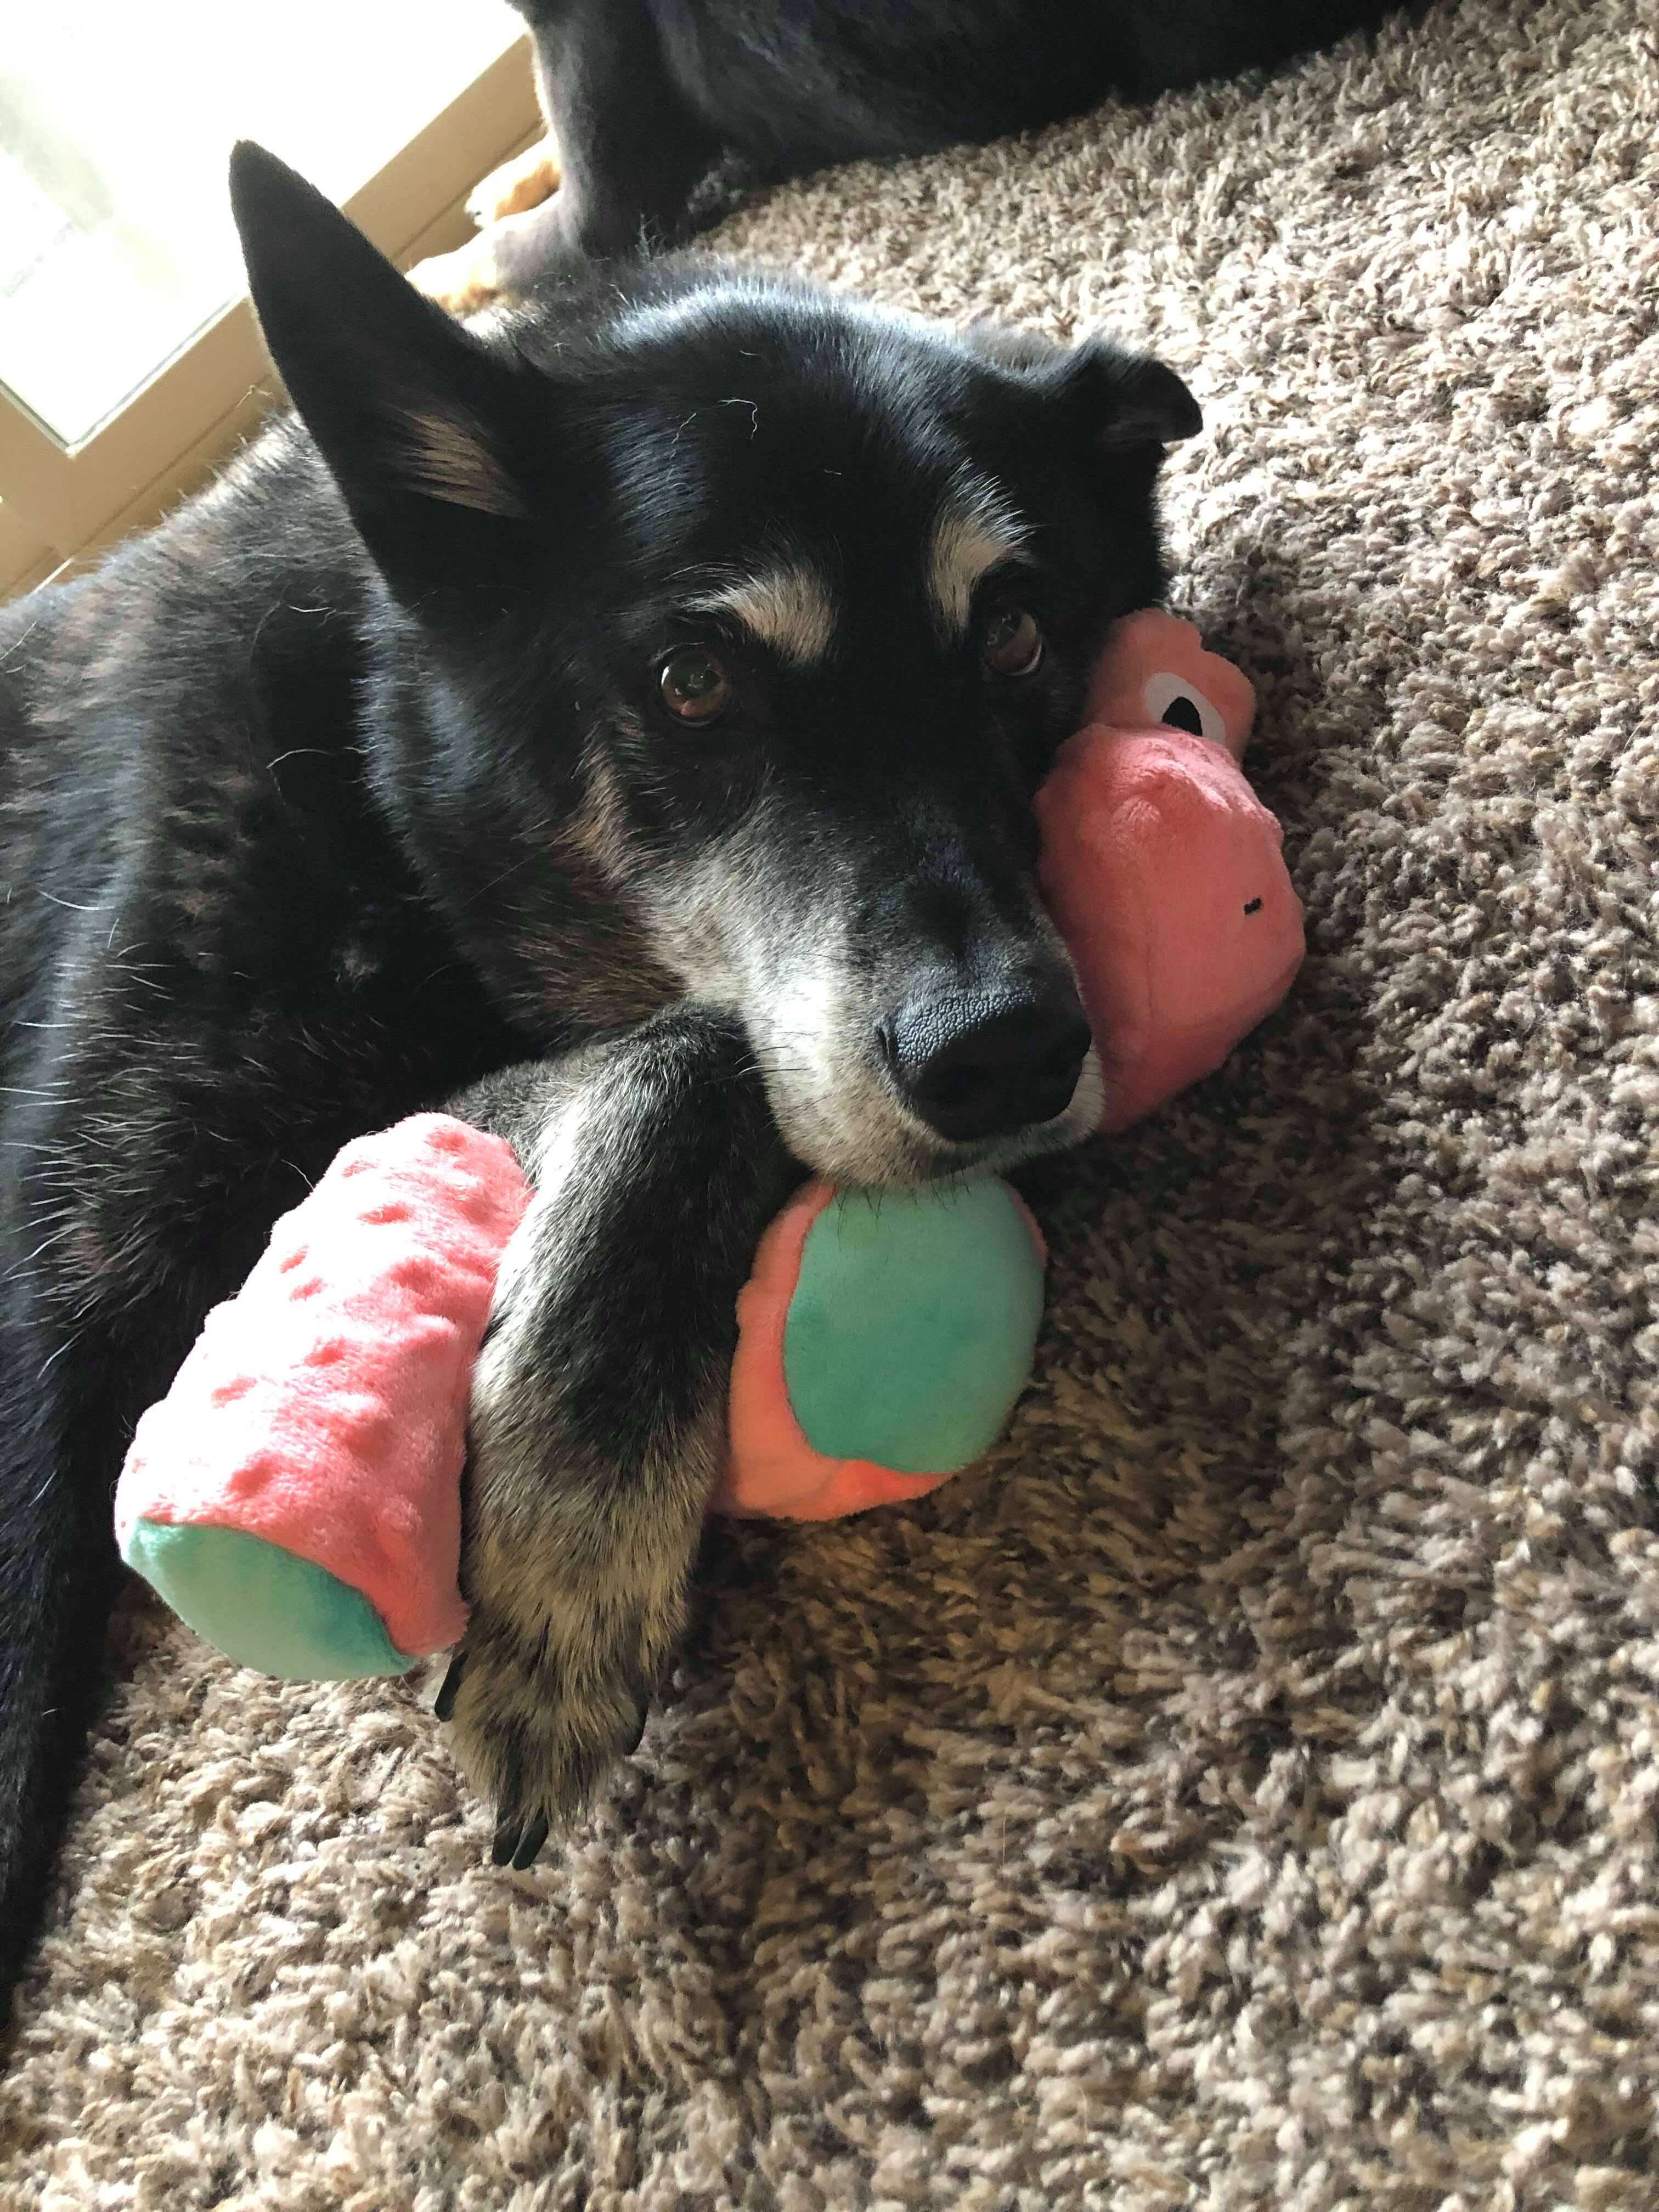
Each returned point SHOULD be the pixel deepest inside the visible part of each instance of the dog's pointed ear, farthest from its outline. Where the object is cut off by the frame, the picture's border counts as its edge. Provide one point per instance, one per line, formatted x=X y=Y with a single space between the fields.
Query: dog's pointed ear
x=427 y=433
x=1124 y=403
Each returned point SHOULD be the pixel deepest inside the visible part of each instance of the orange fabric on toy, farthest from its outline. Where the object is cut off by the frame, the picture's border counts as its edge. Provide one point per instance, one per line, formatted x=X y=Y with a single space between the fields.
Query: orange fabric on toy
x=951 y=1280
x=771 y=1471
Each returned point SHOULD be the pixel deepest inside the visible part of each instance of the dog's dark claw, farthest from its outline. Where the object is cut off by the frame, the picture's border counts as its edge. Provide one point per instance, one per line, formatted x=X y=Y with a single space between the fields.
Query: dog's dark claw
x=530 y=1842
x=444 y=1703
x=630 y=1747
x=509 y=1819
x=517 y=1841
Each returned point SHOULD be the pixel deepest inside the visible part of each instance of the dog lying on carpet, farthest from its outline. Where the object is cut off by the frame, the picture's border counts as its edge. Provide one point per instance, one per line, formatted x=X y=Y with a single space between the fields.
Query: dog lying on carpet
x=652 y=104
x=619 y=722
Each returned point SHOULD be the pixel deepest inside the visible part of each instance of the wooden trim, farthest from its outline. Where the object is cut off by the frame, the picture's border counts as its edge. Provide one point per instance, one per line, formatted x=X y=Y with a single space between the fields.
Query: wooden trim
x=164 y=441
x=26 y=559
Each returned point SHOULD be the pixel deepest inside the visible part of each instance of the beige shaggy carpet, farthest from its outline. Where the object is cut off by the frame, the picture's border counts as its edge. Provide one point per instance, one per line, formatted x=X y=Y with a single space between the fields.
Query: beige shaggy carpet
x=1243 y=1792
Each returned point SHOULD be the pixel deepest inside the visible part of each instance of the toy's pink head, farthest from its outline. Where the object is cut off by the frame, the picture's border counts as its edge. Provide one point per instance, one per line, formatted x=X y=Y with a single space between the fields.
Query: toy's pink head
x=1162 y=868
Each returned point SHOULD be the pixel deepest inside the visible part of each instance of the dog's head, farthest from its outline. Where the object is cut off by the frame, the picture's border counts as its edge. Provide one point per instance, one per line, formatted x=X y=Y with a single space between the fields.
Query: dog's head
x=735 y=626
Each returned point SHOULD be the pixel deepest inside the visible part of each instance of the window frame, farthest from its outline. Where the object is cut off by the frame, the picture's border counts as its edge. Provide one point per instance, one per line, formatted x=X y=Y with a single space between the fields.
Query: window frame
x=61 y=504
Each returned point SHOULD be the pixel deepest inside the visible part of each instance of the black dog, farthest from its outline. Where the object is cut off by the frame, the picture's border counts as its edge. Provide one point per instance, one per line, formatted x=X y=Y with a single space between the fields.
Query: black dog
x=648 y=101
x=655 y=681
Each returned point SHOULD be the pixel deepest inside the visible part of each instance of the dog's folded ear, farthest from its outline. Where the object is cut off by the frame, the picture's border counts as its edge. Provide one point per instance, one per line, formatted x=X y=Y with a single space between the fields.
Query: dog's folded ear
x=1123 y=403
x=427 y=434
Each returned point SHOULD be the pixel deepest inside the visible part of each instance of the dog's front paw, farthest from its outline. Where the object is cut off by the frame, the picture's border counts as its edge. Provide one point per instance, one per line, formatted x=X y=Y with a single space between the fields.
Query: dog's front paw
x=464 y=281
x=584 y=1497
x=577 y=1565
x=536 y=1728
x=524 y=182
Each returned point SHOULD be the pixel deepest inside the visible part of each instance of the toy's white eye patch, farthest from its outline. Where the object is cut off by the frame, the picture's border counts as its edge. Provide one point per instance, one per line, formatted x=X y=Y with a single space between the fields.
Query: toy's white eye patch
x=1180 y=705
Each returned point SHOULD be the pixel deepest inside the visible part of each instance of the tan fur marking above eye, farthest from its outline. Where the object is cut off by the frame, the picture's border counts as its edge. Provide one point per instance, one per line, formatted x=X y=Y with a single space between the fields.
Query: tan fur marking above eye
x=450 y=456
x=976 y=528
x=788 y=607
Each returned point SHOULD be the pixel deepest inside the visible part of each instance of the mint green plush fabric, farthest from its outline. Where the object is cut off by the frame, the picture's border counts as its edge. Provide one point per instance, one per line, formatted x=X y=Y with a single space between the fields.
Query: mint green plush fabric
x=913 y=1326
x=264 y=1607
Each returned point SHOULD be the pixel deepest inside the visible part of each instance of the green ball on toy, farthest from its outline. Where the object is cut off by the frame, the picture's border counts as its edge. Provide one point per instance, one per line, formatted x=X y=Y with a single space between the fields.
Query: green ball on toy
x=883 y=1338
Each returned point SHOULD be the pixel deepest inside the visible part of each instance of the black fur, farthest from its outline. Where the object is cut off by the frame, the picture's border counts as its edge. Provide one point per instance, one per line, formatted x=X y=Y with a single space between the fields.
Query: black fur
x=352 y=785
x=647 y=98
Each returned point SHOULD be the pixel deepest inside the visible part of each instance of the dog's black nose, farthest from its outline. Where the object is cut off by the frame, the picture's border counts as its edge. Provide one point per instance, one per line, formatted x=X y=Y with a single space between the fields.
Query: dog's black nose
x=979 y=1064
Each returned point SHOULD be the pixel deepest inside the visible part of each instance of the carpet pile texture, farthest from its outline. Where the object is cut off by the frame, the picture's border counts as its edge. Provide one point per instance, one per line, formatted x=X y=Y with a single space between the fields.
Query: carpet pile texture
x=1243 y=1792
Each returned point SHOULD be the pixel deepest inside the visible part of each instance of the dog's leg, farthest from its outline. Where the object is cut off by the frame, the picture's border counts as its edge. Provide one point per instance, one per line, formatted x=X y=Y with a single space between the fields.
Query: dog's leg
x=630 y=151
x=599 y=1401
x=469 y=278
x=63 y=1424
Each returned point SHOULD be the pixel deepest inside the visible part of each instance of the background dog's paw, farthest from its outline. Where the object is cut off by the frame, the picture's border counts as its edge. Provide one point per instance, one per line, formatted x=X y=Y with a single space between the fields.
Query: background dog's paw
x=464 y=281
x=524 y=182
x=534 y=1735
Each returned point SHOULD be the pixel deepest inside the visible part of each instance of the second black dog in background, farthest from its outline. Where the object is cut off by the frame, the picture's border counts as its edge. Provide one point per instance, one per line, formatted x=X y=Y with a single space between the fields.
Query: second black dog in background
x=649 y=98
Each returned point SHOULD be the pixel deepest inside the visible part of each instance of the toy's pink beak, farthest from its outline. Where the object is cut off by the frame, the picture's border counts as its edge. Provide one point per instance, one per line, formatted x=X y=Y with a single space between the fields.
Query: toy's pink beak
x=1224 y=934
x=1166 y=875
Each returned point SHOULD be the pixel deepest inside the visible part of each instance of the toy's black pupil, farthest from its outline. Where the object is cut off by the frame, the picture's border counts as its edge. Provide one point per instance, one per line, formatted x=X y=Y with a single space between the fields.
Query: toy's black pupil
x=1182 y=714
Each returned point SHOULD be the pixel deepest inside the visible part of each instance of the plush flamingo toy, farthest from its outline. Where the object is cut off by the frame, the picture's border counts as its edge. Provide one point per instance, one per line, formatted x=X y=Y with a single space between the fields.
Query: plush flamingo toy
x=296 y=1495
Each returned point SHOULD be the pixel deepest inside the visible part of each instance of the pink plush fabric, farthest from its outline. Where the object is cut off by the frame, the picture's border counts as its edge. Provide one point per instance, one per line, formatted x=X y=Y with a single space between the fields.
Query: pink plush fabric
x=324 y=1407
x=1163 y=870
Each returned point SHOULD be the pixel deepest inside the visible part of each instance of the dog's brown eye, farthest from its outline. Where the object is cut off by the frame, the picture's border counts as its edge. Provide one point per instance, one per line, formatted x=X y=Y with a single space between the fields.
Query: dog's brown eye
x=1013 y=643
x=696 y=687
